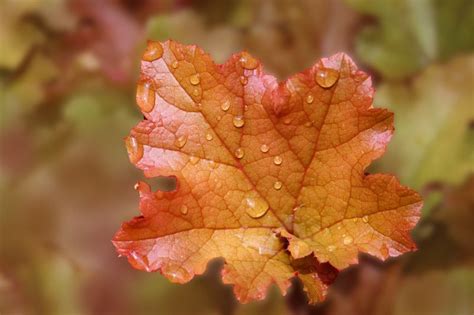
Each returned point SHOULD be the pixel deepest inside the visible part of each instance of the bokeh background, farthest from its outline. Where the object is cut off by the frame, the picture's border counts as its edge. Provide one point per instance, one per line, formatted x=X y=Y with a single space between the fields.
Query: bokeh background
x=67 y=82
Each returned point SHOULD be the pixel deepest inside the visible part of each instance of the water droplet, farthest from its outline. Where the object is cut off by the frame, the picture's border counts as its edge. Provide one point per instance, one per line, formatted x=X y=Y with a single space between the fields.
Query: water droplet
x=308 y=124
x=264 y=148
x=239 y=153
x=287 y=121
x=348 y=240
x=181 y=141
x=174 y=65
x=196 y=92
x=145 y=96
x=183 y=209
x=384 y=250
x=277 y=160
x=309 y=99
x=136 y=186
x=247 y=61
x=238 y=121
x=243 y=80
x=194 y=160
x=153 y=51
x=225 y=106
x=194 y=79
x=331 y=248
x=277 y=185
x=209 y=137
x=365 y=218
x=134 y=148
x=176 y=274
x=256 y=207
x=213 y=164
x=141 y=261
x=326 y=77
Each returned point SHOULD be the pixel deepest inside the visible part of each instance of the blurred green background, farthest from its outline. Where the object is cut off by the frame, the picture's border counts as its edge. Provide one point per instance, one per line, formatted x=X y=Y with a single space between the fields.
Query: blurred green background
x=67 y=81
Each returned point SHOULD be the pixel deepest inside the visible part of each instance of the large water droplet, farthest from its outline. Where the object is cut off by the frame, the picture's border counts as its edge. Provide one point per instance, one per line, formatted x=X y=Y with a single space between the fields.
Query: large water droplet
x=326 y=77
x=277 y=185
x=194 y=79
x=238 y=121
x=184 y=209
x=239 y=153
x=225 y=106
x=264 y=148
x=145 y=96
x=175 y=64
x=141 y=261
x=134 y=148
x=348 y=240
x=247 y=61
x=277 y=160
x=209 y=136
x=181 y=141
x=153 y=51
x=256 y=207
x=243 y=80
x=309 y=99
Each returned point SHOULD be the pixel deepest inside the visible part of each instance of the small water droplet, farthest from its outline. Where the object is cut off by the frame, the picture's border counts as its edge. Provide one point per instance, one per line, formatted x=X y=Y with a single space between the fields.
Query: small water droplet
x=277 y=160
x=136 y=186
x=181 y=141
x=243 y=80
x=184 y=209
x=134 y=148
x=277 y=185
x=365 y=218
x=153 y=51
x=174 y=65
x=309 y=99
x=348 y=240
x=331 y=248
x=384 y=250
x=308 y=124
x=209 y=136
x=287 y=121
x=256 y=207
x=194 y=79
x=239 y=153
x=213 y=164
x=264 y=148
x=196 y=92
x=247 y=61
x=238 y=121
x=194 y=160
x=225 y=106
x=326 y=77
x=145 y=96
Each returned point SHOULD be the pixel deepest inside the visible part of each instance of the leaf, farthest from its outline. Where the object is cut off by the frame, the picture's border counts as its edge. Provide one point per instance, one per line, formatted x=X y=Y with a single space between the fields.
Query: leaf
x=435 y=140
x=270 y=175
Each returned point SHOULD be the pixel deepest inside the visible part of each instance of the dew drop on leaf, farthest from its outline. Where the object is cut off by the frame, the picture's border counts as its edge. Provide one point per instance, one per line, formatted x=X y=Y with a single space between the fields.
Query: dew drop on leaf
x=238 y=121
x=153 y=51
x=209 y=136
x=277 y=160
x=239 y=153
x=183 y=209
x=145 y=96
x=365 y=218
x=181 y=141
x=264 y=148
x=134 y=149
x=194 y=160
x=256 y=207
x=243 y=80
x=277 y=185
x=247 y=61
x=348 y=240
x=287 y=121
x=331 y=248
x=309 y=99
x=225 y=106
x=174 y=65
x=308 y=124
x=194 y=79
x=326 y=77
x=196 y=92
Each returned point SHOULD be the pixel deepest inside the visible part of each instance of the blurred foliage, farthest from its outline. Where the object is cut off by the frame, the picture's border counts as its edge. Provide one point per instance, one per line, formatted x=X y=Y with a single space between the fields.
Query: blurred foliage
x=67 y=73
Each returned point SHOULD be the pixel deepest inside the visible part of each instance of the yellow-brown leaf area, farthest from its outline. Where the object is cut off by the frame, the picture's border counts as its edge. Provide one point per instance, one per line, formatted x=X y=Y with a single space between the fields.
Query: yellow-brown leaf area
x=270 y=176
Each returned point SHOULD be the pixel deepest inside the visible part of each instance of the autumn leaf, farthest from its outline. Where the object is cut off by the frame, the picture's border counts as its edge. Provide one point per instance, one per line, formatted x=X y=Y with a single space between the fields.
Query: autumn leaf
x=270 y=176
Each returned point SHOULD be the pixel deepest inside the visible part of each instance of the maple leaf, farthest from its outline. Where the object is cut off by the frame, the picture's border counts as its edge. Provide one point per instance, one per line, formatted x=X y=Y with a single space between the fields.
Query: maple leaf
x=270 y=176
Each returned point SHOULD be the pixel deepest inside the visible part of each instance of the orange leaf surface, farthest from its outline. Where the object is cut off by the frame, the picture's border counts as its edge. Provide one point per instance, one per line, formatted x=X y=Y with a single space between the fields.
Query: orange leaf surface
x=270 y=176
